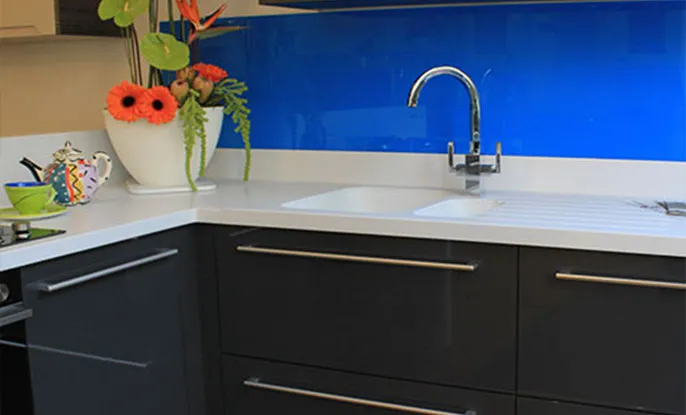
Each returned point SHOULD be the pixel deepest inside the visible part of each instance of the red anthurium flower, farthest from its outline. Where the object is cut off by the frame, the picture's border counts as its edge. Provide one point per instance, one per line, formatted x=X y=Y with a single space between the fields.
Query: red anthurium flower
x=210 y=72
x=189 y=10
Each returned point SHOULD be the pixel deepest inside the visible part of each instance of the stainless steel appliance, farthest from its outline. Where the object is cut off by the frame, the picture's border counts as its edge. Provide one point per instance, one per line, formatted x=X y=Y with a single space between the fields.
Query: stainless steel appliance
x=20 y=232
x=15 y=383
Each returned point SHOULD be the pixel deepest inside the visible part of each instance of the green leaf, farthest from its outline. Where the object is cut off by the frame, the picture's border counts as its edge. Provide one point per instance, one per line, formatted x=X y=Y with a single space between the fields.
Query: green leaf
x=108 y=9
x=124 y=12
x=164 y=52
x=216 y=31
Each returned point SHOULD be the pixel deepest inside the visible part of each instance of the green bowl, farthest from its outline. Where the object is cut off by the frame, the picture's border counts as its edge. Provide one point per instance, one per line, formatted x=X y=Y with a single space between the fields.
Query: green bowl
x=30 y=197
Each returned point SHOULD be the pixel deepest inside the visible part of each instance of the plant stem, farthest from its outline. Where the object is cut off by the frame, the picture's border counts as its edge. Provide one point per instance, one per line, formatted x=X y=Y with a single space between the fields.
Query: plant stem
x=137 y=55
x=134 y=57
x=151 y=16
x=153 y=12
x=125 y=34
x=183 y=29
x=195 y=52
x=172 y=22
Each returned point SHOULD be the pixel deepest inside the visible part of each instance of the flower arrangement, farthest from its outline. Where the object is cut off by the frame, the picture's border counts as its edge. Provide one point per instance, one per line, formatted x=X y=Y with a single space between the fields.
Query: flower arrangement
x=194 y=85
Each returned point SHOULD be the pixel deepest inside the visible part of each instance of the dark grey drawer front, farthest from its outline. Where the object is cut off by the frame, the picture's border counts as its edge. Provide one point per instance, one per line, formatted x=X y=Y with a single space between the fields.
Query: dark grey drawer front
x=257 y=387
x=541 y=407
x=613 y=344
x=408 y=322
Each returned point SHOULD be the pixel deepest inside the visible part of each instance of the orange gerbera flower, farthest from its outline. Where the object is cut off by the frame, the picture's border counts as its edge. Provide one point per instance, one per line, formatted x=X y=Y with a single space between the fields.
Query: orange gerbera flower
x=158 y=105
x=210 y=72
x=123 y=101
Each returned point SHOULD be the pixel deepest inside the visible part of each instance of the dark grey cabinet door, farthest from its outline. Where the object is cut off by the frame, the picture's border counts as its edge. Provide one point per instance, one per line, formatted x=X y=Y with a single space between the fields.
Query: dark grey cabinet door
x=604 y=342
x=256 y=387
x=284 y=297
x=80 y=17
x=118 y=343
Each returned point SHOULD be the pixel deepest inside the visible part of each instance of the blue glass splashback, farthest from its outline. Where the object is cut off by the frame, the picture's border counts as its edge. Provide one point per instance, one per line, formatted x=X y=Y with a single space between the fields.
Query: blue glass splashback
x=603 y=80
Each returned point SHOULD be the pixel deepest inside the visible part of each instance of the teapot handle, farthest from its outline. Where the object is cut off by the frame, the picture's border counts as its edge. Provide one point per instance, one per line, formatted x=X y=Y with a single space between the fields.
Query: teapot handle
x=102 y=156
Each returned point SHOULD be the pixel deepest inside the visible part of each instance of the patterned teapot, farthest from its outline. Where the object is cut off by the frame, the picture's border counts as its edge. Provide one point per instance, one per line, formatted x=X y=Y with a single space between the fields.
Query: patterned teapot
x=74 y=176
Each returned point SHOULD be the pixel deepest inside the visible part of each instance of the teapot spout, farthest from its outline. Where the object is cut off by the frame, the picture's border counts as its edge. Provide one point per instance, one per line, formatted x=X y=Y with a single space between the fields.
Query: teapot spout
x=35 y=169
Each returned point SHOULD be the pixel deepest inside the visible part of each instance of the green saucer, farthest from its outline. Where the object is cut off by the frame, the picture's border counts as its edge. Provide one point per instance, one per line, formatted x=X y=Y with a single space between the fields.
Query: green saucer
x=12 y=214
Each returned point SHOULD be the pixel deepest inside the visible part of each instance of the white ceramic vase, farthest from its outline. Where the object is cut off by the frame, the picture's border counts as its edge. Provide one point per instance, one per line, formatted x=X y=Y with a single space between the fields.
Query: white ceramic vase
x=154 y=155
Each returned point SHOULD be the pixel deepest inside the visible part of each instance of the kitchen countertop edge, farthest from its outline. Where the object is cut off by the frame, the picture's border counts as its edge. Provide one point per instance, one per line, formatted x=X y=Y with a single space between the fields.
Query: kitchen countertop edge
x=118 y=216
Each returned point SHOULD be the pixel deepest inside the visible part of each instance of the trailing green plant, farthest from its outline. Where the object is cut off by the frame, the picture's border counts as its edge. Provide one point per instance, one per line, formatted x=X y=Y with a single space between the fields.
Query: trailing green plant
x=193 y=118
x=230 y=92
x=197 y=85
x=210 y=86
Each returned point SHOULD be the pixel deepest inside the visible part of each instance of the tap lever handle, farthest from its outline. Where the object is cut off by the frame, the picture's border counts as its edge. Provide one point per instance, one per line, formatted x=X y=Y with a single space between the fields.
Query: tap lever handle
x=498 y=153
x=451 y=155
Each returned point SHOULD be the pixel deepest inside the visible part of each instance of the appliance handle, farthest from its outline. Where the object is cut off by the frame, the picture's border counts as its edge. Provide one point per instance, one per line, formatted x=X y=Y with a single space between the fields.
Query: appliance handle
x=137 y=365
x=465 y=267
x=14 y=313
x=258 y=384
x=51 y=288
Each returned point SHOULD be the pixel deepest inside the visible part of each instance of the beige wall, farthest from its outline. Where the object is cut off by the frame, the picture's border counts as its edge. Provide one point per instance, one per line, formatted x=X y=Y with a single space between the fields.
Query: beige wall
x=60 y=85
x=57 y=86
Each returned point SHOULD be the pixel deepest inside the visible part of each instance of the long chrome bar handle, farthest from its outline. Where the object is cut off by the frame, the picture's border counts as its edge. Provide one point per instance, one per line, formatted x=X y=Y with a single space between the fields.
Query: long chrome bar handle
x=451 y=266
x=53 y=287
x=620 y=281
x=258 y=384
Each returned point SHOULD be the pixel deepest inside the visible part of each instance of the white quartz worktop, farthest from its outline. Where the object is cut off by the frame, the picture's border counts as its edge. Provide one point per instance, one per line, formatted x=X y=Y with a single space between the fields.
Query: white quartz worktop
x=534 y=219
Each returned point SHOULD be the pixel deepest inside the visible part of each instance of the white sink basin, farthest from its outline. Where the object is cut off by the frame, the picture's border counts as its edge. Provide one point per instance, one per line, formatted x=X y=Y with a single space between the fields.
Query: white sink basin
x=459 y=208
x=371 y=200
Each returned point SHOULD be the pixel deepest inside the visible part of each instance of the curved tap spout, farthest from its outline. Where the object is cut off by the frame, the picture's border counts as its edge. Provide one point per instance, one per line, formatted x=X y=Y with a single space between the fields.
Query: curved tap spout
x=474 y=105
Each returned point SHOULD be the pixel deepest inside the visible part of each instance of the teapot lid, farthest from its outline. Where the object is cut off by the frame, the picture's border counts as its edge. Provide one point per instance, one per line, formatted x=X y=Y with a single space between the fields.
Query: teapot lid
x=68 y=153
